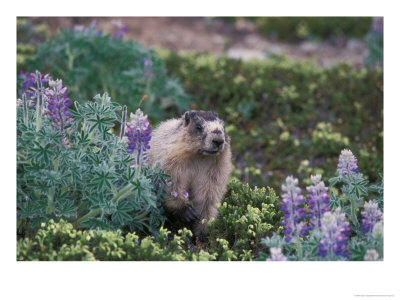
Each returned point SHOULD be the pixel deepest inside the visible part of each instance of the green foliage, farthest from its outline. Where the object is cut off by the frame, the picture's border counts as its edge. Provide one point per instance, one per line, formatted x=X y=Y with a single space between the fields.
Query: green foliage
x=93 y=62
x=293 y=29
x=60 y=241
x=83 y=174
x=325 y=141
x=28 y=36
x=245 y=216
x=272 y=109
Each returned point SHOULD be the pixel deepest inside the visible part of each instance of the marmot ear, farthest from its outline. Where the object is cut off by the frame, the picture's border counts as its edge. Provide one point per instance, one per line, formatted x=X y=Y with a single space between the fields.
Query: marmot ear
x=186 y=118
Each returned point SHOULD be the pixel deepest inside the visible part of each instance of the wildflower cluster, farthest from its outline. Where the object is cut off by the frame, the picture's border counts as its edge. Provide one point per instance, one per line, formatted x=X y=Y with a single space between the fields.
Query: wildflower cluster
x=335 y=231
x=327 y=235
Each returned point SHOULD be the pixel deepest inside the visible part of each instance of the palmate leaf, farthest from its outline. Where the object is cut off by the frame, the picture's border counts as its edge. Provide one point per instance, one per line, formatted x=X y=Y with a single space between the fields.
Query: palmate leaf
x=130 y=173
x=335 y=201
x=121 y=214
x=357 y=250
x=42 y=154
x=137 y=186
x=65 y=208
x=102 y=123
x=359 y=188
x=25 y=209
x=101 y=178
x=334 y=180
x=102 y=202
x=83 y=138
x=98 y=223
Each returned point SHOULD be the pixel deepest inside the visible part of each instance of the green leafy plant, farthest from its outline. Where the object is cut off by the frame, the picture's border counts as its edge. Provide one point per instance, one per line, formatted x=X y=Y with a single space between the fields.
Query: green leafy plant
x=70 y=165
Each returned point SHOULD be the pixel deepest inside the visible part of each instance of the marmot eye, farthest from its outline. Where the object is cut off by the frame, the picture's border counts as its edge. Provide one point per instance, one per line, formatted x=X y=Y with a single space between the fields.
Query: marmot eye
x=199 y=127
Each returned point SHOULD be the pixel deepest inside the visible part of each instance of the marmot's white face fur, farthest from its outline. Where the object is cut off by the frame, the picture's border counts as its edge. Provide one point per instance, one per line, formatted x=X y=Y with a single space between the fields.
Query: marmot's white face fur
x=206 y=132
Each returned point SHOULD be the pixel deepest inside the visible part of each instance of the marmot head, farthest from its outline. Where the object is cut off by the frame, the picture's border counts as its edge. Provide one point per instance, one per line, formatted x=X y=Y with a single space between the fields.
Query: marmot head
x=206 y=132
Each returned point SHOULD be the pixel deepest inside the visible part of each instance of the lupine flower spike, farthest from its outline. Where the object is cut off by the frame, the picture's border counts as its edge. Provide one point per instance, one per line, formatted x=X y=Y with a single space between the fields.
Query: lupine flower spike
x=293 y=209
x=371 y=215
x=347 y=163
x=318 y=201
x=58 y=105
x=138 y=131
x=336 y=230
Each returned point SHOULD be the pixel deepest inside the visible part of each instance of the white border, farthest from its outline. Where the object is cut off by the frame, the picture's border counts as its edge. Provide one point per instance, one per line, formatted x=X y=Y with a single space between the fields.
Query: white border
x=191 y=280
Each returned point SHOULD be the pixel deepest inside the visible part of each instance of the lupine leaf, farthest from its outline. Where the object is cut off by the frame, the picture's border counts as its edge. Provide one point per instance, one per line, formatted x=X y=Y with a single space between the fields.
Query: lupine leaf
x=121 y=214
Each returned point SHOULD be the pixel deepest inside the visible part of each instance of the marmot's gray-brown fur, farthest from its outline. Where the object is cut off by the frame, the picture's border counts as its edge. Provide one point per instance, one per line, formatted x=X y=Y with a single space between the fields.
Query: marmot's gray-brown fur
x=195 y=151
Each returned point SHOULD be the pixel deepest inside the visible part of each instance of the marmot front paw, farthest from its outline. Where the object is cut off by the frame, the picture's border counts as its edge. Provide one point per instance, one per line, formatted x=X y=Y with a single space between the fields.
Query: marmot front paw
x=189 y=215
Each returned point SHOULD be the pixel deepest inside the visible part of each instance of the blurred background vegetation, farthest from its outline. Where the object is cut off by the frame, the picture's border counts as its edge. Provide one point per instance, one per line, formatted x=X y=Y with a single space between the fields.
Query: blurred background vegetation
x=285 y=114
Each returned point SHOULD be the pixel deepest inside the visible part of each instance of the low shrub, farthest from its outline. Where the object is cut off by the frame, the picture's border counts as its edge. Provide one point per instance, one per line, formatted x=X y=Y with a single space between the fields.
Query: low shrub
x=279 y=109
x=60 y=241
x=292 y=29
x=245 y=215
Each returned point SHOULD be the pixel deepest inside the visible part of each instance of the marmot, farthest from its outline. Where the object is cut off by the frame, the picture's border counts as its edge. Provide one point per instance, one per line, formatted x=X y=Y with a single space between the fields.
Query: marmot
x=195 y=151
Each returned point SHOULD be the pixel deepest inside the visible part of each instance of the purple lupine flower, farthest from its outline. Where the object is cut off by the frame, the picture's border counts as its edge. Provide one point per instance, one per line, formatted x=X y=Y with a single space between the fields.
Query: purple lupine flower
x=276 y=254
x=174 y=194
x=371 y=215
x=347 y=163
x=148 y=67
x=138 y=131
x=318 y=201
x=335 y=231
x=120 y=31
x=293 y=209
x=185 y=194
x=29 y=85
x=58 y=105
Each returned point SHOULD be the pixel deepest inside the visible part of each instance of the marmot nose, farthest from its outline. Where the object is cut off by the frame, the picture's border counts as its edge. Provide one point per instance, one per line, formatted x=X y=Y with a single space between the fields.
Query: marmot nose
x=218 y=143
